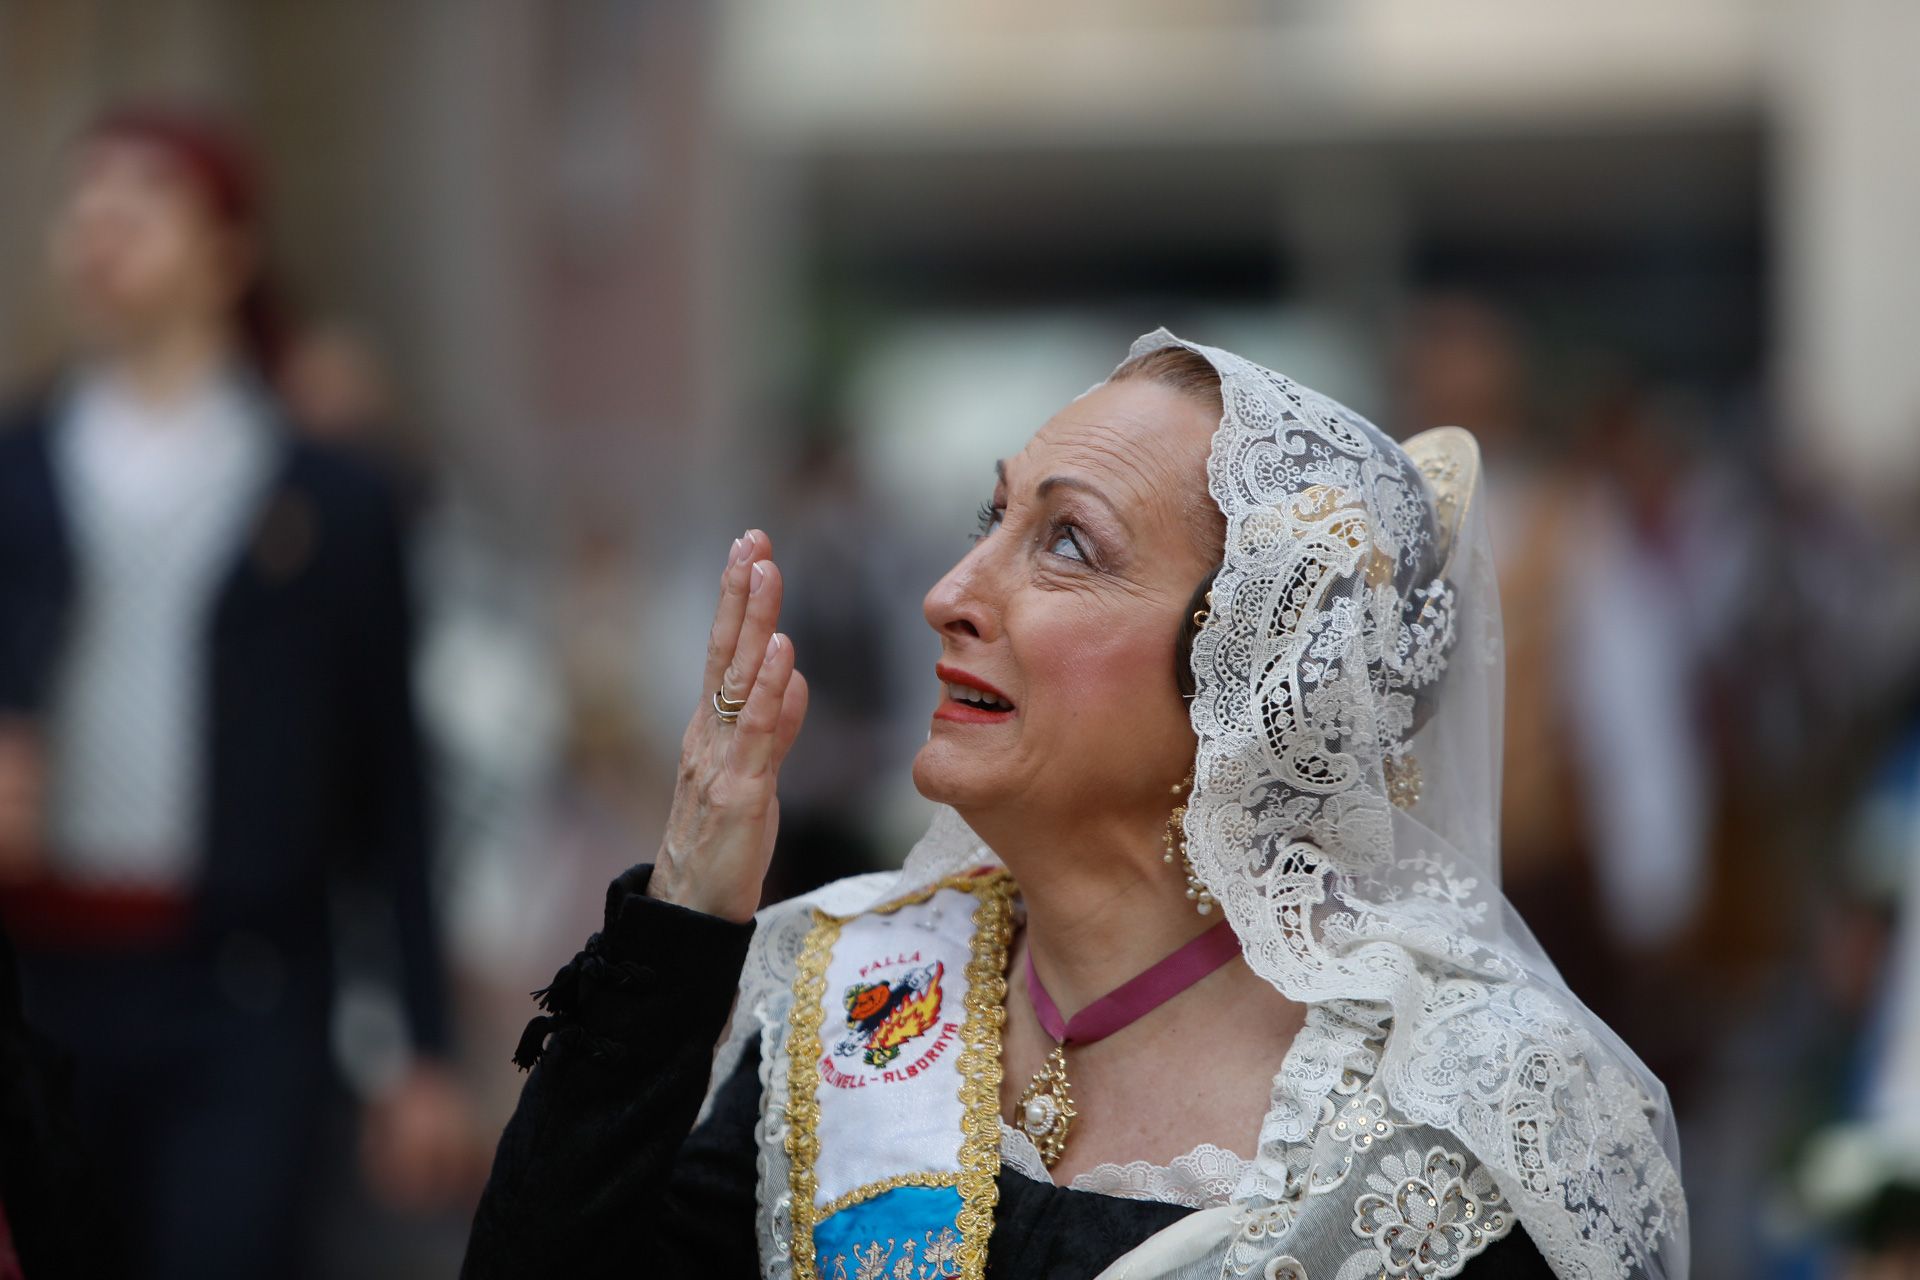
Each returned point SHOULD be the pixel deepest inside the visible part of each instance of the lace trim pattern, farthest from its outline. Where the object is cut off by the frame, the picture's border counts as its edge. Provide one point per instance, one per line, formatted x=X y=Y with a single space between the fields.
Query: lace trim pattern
x=1199 y=1179
x=1017 y=1150
x=774 y=1210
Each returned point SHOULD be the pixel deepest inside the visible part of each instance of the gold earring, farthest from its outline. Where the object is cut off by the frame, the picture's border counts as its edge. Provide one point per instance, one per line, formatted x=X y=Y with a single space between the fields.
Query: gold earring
x=1175 y=843
x=1201 y=617
x=1403 y=778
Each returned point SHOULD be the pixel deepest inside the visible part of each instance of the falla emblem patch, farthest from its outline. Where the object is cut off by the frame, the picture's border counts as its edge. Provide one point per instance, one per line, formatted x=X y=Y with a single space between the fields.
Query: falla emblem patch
x=885 y=1016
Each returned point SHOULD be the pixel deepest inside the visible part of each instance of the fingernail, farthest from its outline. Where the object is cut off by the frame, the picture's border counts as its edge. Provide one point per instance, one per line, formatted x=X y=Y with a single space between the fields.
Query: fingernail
x=773 y=644
x=739 y=551
x=759 y=579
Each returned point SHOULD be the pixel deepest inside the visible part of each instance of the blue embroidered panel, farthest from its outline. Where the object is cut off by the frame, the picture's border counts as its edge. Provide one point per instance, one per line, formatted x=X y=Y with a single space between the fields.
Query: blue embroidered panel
x=913 y=1226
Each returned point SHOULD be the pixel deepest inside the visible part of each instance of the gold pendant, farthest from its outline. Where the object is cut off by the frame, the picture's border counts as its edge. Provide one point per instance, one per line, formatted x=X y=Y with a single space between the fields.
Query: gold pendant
x=1046 y=1109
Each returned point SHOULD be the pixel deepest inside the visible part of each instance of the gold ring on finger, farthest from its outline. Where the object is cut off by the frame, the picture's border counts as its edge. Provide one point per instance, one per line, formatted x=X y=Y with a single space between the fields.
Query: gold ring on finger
x=723 y=704
x=727 y=714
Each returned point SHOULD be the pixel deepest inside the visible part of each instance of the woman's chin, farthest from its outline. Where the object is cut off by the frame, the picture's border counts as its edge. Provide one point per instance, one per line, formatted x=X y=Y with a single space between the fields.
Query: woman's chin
x=947 y=774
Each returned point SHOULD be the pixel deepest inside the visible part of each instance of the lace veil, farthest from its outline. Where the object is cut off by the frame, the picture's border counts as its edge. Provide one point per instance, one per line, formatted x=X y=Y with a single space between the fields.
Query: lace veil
x=1345 y=816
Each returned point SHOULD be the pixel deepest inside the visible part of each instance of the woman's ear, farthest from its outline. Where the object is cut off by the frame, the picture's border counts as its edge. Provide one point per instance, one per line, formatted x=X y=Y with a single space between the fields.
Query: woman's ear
x=1199 y=609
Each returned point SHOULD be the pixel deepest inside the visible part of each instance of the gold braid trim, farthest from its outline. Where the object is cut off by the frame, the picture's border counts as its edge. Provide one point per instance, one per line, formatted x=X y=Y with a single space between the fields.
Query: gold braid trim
x=980 y=1070
x=803 y=1099
x=979 y=1066
x=864 y=1193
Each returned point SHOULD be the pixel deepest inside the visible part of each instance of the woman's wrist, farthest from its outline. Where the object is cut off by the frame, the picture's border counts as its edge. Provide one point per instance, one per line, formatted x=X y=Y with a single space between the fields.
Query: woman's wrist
x=653 y=957
x=667 y=884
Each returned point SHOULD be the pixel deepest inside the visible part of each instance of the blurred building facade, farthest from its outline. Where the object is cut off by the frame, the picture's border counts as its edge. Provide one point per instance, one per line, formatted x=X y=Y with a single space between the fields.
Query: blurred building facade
x=603 y=220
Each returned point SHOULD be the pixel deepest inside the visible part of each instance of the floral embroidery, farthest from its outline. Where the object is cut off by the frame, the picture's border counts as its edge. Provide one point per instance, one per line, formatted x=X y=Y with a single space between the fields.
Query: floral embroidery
x=1427 y=1218
x=943 y=1251
x=1347 y=1131
x=1257 y=1227
x=940 y=1260
x=1285 y=1267
x=1362 y=1121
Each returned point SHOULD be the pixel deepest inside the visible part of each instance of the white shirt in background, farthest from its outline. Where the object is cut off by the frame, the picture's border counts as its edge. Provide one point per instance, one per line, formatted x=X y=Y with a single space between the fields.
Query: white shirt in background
x=159 y=499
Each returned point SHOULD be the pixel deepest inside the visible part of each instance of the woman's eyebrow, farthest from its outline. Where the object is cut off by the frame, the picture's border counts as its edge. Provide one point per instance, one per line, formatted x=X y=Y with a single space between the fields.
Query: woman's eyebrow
x=1087 y=487
x=1067 y=482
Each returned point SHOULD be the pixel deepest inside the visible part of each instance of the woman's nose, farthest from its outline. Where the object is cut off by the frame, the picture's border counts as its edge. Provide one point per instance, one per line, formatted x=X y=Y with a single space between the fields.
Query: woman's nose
x=958 y=606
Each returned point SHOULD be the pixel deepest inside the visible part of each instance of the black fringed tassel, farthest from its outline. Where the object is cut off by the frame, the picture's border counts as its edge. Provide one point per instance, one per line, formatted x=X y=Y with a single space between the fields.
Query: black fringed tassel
x=561 y=1000
x=557 y=1001
x=533 y=1042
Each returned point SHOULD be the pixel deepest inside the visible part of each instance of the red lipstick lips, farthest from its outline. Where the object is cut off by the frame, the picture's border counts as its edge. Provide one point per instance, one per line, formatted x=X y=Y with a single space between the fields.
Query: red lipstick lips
x=969 y=699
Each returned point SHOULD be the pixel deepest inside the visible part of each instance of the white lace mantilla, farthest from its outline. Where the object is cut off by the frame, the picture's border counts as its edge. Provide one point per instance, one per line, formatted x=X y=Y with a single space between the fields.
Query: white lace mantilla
x=1345 y=811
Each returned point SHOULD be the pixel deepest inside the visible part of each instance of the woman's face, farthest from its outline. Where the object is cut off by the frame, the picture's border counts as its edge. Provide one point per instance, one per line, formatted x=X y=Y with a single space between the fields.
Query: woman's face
x=134 y=247
x=1067 y=610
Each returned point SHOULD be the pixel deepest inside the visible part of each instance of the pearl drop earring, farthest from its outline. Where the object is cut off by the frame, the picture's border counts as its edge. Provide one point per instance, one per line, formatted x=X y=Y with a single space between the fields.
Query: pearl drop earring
x=1176 y=847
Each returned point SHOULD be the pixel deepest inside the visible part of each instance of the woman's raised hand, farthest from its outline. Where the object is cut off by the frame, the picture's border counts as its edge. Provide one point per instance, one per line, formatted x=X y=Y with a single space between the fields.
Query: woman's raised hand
x=720 y=832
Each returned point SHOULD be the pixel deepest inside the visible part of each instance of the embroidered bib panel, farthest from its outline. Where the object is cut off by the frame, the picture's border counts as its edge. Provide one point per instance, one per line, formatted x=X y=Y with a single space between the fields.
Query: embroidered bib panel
x=893 y=1084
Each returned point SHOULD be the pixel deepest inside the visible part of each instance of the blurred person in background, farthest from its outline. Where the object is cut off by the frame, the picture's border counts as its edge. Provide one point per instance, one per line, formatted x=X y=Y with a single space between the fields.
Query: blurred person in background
x=1623 y=557
x=827 y=518
x=206 y=721
x=1460 y=359
x=1841 y=1127
x=335 y=384
x=335 y=387
x=1639 y=630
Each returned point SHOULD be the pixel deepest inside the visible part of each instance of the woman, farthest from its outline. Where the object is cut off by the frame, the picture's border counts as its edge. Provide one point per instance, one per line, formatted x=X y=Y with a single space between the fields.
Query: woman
x=1034 y=1052
x=205 y=722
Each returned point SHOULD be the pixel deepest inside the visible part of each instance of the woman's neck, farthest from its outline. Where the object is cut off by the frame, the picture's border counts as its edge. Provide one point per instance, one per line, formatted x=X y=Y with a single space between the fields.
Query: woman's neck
x=1102 y=907
x=168 y=366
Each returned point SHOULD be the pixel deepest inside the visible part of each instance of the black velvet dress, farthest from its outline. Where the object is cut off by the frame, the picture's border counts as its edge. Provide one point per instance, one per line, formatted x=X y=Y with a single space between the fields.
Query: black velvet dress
x=602 y=1171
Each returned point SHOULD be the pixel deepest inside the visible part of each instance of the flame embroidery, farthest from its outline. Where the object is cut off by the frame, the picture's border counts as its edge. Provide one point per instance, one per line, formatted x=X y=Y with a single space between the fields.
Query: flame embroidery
x=884 y=1016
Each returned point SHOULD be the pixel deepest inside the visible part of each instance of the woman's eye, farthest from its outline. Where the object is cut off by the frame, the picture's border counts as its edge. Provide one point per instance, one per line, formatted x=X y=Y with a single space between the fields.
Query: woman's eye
x=1065 y=545
x=990 y=517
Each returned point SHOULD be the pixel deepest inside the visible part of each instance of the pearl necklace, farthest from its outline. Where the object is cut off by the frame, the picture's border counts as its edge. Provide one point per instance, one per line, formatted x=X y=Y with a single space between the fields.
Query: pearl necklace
x=1046 y=1108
